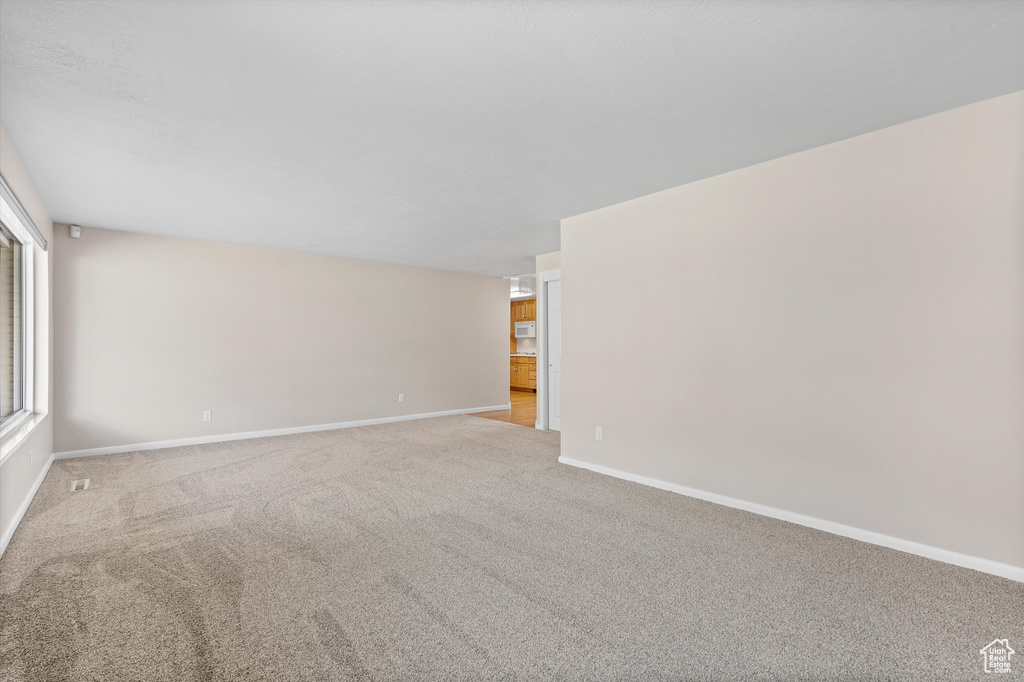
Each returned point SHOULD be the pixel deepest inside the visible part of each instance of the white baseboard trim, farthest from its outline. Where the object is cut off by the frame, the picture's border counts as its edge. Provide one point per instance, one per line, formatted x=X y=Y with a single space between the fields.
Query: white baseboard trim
x=927 y=551
x=20 y=514
x=220 y=438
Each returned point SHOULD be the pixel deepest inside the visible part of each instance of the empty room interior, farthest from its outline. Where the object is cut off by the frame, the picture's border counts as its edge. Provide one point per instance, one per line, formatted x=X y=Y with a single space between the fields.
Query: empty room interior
x=753 y=269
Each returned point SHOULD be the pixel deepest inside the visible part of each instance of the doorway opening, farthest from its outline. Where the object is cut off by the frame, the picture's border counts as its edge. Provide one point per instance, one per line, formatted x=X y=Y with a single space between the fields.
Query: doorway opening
x=535 y=353
x=522 y=356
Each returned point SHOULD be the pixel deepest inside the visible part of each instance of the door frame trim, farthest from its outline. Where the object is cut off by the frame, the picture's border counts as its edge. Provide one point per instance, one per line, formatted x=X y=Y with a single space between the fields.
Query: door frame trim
x=542 y=343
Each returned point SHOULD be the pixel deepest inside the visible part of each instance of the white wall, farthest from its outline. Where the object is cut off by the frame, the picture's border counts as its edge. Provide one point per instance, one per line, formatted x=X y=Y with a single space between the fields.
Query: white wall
x=548 y=261
x=526 y=345
x=838 y=333
x=151 y=331
x=26 y=463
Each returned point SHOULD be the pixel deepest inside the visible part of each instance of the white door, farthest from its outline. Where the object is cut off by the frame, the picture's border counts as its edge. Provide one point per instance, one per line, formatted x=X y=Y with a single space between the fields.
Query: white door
x=554 y=354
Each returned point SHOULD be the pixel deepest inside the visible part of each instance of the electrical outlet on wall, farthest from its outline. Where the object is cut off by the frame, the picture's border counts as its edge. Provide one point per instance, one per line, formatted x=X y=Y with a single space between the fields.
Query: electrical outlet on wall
x=208 y=416
x=401 y=397
x=599 y=434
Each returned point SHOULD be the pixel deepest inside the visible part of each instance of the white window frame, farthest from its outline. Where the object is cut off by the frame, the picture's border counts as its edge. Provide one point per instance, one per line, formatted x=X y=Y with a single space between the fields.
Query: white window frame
x=15 y=224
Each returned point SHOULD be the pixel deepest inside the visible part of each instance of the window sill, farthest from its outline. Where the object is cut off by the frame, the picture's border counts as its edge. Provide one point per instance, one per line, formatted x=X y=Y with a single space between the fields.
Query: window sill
x=16 y=437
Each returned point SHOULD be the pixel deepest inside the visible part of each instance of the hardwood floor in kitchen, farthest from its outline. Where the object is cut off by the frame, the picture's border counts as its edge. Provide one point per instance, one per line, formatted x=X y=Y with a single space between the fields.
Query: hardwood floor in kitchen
x=523 y=412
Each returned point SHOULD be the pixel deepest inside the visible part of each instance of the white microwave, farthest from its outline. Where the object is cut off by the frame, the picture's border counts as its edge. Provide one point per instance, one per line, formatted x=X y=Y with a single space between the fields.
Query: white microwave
x=526 y=330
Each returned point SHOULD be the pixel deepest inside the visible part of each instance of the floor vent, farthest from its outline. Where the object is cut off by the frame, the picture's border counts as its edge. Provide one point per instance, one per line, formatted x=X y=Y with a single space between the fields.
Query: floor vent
x=79 y=484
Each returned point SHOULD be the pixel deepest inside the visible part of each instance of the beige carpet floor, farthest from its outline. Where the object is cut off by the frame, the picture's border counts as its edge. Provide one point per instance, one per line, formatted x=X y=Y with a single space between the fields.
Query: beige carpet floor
x=456 y=549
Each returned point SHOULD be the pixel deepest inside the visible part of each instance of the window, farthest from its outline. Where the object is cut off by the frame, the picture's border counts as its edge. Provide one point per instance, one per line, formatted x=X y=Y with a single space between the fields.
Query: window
x=19 y=240
x=12 y=326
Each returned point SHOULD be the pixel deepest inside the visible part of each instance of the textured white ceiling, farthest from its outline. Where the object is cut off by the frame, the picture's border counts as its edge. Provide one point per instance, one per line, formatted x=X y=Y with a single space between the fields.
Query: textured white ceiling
x=455 y=135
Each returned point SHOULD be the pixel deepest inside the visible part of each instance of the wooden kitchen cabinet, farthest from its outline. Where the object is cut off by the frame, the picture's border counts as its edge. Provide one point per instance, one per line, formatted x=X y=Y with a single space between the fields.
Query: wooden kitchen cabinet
x=524 y=311
x=520 y=376
x=523 y=372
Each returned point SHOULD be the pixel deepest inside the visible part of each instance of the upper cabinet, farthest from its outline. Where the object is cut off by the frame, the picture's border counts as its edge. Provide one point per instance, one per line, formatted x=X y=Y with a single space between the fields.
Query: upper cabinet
x=524 y=311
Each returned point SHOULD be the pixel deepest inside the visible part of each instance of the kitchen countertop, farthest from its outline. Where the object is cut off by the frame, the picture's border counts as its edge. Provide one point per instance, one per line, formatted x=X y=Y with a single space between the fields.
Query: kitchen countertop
x=522 y=355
